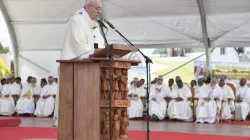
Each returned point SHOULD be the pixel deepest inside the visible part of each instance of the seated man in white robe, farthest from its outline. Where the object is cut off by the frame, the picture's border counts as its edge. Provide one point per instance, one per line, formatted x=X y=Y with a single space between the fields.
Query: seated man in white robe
x=136 y=106
x=199 y=89
x=179 y=107
x=242 y=100
x=25 y=104
x=209 y=104
x=157 y=103
x=228 y=101
x=45 y=105
x=27 y=83
x=15 y=89
x=7 y=104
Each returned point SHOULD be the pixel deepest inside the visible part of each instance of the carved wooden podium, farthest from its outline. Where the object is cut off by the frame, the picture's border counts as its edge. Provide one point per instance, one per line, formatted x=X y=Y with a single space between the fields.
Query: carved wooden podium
x=84 y=96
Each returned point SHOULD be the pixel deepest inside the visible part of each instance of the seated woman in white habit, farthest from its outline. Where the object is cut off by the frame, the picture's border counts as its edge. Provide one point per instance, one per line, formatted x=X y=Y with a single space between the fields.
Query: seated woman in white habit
x=45 y=105
x=7 y=104
x=209 y=103
x=157 y=102
x=179 y=107
x=25 y=104
x=136 y=106
x=242 y=100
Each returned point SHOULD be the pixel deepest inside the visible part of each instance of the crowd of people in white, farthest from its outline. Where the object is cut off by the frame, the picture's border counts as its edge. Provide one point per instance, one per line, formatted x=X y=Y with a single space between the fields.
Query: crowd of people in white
x=28 y=98
x=207 y=102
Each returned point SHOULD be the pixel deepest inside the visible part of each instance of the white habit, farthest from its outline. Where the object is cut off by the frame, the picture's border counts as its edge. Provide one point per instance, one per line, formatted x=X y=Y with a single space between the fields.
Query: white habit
x=136 y=105
x=206 y=111
x=227 y=106
x=45 y=107
x=26 y=104
x=7 y=104
x=158 y=107
x=242 y=109
x=180 y=109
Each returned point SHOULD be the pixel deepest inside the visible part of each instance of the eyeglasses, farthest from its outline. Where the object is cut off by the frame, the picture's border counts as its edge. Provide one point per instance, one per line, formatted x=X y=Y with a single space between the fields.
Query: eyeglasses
x=97 y=8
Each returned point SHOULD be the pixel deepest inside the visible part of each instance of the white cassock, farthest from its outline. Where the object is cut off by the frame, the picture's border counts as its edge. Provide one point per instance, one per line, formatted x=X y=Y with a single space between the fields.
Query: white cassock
x=45 y=107
x=180 y=110
x=206 y=110
x=227 y=106
x=26 y=104
x=136 y=105
x=242 y=109
x=7 y=104
x=81 y=34
x=158 y=107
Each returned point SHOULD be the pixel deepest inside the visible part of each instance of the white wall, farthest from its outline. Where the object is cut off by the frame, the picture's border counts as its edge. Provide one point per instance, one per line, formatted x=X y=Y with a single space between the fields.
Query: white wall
x=45 y=59
x=6 y=58
x=230 y=56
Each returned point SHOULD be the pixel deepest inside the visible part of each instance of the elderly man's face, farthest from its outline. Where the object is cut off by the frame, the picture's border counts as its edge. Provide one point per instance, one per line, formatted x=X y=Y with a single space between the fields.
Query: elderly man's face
x=213 y=83
x=94 y=9
x=159 y=80
x=135 y=82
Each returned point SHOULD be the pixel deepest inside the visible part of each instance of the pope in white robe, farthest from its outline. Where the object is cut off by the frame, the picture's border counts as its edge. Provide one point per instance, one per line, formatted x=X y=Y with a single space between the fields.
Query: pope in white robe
x=45 y=105
x=81 y=34
x=157 y=102
x=209 y=104
x=228 y=105
x=26 y=104
x=179 y=107
x=136 y=106
x=242 y=100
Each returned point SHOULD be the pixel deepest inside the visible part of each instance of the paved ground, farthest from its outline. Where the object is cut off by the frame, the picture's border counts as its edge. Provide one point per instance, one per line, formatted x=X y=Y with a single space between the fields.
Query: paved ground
x=217 y=129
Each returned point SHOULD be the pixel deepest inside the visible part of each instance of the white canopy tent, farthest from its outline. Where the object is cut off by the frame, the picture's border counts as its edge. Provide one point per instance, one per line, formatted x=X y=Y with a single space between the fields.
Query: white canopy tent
x=37 y=27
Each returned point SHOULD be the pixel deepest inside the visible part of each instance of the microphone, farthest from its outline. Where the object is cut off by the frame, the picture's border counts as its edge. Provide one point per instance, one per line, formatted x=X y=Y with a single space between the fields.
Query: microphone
x=98 y=19
x=111 y=25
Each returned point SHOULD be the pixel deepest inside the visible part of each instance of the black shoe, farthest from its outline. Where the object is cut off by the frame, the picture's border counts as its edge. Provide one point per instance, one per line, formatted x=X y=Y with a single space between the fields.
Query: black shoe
x=155 y=117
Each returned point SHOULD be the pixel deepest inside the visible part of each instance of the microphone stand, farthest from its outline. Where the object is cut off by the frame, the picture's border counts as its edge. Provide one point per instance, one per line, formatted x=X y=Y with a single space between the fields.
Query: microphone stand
x=147 y=61
x=110 y=56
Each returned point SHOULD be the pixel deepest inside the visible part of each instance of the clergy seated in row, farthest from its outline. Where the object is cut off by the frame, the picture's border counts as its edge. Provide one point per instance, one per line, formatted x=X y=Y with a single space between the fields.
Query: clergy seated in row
x=242 y=100
x=179 y=107
x=26 y=104
x=7 y=104
x=157 y=103
x=209 y=104
x=228 y=101
x=135 y=92
x=45 y=105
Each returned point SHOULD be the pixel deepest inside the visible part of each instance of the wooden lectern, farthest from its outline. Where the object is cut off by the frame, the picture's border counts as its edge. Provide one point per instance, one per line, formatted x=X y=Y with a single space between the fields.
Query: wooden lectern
x=84 y=96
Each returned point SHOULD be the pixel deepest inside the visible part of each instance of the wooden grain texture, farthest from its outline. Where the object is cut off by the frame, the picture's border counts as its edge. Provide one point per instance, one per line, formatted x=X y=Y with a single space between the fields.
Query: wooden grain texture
x=66 y=102
x=87 y=101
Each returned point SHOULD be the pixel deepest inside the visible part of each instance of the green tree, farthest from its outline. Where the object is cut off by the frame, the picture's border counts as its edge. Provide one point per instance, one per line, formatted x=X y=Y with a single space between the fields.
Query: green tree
x=3 y=50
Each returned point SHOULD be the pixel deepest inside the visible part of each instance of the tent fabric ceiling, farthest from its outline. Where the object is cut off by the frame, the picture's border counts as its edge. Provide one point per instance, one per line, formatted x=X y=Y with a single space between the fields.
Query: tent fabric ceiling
x=39 y=25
